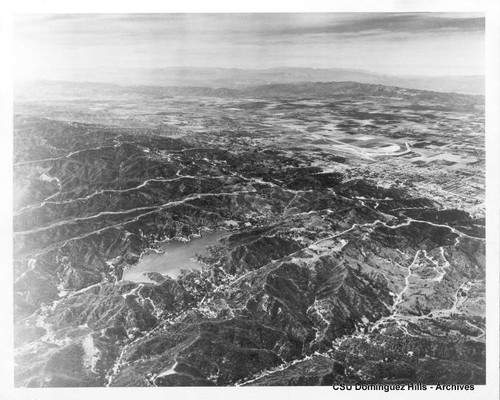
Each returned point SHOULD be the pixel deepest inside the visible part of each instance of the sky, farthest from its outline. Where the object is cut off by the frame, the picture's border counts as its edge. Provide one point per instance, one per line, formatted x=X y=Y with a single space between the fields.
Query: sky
x=79 y=46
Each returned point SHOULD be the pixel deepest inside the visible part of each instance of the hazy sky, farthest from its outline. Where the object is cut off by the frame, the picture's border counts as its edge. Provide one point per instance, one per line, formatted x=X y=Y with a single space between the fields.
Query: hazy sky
x=48 y=46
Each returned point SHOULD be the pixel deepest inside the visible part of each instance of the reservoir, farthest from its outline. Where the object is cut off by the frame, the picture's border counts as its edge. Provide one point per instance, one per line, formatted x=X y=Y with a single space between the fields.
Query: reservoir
x=176 y=257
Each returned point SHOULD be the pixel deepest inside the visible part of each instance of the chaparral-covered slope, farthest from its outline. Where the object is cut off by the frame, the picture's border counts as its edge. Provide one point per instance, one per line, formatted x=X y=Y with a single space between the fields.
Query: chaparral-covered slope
x=355 y=245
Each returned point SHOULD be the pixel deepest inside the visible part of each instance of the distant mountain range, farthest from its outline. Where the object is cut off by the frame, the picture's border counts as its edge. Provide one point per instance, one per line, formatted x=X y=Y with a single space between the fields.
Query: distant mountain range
x=240 y=78
x=61 y=90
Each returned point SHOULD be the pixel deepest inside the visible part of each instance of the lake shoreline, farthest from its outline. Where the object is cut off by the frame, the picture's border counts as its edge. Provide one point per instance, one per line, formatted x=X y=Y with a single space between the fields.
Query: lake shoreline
x=152 y=255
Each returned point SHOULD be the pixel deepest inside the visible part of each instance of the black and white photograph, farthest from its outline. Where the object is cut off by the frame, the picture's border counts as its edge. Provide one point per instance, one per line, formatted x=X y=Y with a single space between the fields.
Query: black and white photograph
x=240 y=199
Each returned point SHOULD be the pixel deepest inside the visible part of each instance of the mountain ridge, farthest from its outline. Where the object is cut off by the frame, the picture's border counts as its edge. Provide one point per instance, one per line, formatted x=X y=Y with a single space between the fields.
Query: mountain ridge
x=241 y=78
x=298 y=89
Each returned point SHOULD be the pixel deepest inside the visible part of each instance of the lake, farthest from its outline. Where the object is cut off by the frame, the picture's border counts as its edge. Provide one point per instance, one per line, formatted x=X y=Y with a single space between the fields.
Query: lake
x=176 y=257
